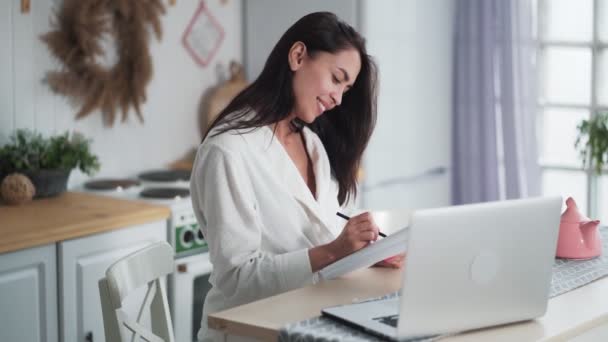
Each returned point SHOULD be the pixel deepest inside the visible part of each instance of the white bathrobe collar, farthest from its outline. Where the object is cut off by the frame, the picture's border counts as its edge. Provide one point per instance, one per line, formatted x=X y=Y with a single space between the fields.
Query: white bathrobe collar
x=292 y=179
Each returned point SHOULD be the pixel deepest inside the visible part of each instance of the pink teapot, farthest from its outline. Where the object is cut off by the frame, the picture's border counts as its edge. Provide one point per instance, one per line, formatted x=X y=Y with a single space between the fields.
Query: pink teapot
x=579 y=236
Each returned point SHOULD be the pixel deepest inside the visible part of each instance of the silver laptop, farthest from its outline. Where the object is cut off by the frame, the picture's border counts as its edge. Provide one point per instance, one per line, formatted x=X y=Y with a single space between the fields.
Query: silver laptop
x=467 y=267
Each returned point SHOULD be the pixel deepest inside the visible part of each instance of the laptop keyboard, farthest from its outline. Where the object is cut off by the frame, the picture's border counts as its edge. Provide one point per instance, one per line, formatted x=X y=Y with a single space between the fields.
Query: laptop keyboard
x=388 y=320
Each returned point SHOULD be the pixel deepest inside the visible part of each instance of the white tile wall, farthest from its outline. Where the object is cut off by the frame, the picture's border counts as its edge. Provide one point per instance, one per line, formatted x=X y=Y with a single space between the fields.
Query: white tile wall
x=6 y=69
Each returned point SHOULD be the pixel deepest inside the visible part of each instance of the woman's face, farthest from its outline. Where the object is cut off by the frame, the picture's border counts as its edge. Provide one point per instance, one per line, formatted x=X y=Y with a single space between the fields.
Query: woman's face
x=320 y=81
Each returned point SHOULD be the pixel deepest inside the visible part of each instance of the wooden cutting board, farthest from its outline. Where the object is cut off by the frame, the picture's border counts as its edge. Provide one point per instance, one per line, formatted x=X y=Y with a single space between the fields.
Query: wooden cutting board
x=222 y=95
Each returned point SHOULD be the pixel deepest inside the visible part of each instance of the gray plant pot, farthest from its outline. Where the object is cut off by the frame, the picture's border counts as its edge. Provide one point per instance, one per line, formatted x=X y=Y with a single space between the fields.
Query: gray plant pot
x=49 y=183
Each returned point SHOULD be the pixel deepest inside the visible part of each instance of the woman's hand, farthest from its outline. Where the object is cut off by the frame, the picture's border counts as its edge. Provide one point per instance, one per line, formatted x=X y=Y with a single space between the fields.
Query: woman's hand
x=392 y=262
x=358 y=233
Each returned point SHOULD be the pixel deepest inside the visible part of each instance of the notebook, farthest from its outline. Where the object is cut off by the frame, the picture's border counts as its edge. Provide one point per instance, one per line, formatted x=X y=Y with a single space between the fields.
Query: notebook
x=381 y=249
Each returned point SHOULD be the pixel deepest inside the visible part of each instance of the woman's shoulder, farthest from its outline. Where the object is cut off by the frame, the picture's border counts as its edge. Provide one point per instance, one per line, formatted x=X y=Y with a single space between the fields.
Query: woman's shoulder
x=217 y=150
x=233 y=139
x=227 y=140
x=233 y=142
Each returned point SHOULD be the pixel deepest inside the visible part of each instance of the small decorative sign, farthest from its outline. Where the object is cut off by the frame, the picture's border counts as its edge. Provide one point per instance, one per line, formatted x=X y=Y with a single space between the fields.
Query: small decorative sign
x=203 y=35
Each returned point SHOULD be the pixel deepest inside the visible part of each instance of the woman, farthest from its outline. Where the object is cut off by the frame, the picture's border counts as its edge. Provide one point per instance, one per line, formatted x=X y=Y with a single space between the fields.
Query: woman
x=280 y=161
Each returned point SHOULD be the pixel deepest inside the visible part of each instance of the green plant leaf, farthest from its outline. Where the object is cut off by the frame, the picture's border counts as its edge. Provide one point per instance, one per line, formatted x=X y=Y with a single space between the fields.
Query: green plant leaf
x=592 y=142
x=30 y=151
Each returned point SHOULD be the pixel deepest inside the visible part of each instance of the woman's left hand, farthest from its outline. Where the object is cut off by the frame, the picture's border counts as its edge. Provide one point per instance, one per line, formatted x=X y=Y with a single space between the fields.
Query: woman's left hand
x=392 y=262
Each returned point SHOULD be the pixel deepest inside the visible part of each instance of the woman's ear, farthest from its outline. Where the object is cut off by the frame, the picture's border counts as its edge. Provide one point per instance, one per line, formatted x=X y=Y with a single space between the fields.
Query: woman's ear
x=297 y=53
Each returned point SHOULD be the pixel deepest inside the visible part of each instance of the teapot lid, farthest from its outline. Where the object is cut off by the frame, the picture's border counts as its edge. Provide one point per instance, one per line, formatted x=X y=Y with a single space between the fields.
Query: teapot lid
x=572 y=213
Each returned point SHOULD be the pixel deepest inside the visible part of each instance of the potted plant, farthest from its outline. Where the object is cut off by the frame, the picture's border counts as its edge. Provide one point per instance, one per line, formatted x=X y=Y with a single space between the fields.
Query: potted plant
x=47 y=161
x=592 y=141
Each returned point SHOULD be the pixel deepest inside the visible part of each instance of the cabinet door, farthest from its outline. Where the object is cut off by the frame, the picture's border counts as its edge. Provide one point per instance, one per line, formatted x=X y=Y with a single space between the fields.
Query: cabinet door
x=28 y=295
x=82 y=262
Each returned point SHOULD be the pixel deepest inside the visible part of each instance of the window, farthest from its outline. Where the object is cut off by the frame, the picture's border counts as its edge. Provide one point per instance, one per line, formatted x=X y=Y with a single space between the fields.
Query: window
x=572 y=38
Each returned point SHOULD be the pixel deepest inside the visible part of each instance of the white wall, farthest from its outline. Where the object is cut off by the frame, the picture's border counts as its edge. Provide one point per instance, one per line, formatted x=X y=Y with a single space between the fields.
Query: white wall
x=174 y=93
x=412 y=43
x=267 y=20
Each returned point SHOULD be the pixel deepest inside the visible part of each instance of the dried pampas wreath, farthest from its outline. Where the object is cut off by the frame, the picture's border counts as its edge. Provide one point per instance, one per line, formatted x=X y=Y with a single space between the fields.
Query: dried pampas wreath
x=76 y=41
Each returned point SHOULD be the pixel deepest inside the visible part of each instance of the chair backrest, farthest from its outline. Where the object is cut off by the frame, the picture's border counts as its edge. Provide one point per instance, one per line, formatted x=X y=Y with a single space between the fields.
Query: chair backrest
x=146 y=266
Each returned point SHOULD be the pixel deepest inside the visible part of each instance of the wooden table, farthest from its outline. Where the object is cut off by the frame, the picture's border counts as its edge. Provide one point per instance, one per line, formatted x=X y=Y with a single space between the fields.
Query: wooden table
x=568 y=315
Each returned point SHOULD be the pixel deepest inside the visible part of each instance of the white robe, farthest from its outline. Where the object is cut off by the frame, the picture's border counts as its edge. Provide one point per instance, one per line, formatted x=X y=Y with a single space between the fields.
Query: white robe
x=259 y=217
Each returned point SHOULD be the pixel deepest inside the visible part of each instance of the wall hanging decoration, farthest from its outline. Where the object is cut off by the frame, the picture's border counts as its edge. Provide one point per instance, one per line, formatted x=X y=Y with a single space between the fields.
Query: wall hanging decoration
x=203 y=36
x=77 y=41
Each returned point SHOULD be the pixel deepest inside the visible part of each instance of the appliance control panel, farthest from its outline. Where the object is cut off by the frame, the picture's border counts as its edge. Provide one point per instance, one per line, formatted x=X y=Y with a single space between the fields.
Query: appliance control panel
x=187 y=238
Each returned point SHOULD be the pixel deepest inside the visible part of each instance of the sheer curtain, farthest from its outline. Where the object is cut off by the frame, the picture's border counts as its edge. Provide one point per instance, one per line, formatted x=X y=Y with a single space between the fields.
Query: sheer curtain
x=494 y=149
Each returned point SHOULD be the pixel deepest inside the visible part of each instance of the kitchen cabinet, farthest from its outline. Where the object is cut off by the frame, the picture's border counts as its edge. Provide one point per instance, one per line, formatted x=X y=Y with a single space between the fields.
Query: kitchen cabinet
x=67 y=243
x=28 y=295
x=82 y=262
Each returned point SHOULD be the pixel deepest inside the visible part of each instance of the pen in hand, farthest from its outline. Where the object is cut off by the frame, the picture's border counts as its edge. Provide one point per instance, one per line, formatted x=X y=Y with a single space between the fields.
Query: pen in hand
x=348 y=218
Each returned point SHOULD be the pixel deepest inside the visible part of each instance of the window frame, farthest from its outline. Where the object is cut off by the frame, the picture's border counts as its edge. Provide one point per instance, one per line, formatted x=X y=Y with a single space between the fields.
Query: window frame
x=596 y=46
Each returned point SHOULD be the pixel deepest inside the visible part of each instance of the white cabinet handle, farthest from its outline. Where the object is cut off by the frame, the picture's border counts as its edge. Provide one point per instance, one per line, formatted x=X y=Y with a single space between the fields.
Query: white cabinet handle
x=430 y=173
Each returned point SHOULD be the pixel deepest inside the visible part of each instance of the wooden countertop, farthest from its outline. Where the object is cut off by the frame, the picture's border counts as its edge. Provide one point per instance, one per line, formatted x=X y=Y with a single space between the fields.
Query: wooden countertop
x=68 y=216
x=567 y=316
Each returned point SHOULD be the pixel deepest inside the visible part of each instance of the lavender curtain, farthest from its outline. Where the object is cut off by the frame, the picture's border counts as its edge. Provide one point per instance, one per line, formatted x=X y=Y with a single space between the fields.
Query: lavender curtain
x=494 y=153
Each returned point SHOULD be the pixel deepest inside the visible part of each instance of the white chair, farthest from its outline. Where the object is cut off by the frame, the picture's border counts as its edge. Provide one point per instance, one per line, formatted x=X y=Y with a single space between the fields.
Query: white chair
x=147 y=266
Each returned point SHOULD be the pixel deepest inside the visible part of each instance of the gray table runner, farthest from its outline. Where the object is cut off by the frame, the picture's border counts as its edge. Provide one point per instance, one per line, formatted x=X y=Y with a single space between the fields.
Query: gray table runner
x=567 y=276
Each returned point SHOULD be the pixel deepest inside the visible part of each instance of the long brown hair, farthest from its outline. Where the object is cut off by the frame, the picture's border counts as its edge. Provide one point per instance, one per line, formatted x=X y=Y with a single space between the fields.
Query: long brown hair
x=344 y=130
